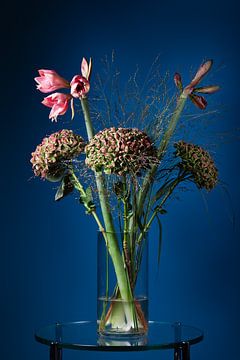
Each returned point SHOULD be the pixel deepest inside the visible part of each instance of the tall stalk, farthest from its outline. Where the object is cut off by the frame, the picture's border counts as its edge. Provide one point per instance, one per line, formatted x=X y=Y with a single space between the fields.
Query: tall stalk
x=149 y=178
x=113 y=247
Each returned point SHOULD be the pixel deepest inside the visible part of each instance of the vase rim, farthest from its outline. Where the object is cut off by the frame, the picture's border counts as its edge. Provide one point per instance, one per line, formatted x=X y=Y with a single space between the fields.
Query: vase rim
x=119 y=232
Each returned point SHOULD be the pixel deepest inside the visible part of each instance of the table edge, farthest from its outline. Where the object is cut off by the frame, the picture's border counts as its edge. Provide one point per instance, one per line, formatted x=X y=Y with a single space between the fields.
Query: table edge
x=118 y=347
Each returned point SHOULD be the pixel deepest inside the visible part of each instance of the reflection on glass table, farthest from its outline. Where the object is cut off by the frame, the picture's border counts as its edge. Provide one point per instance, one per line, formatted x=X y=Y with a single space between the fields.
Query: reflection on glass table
x=82 y=335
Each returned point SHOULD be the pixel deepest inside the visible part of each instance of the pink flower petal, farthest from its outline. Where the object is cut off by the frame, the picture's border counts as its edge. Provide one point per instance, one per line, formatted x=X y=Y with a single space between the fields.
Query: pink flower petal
x=89 y=69
x=42 y=72
x=202 y=71
x=84 y=68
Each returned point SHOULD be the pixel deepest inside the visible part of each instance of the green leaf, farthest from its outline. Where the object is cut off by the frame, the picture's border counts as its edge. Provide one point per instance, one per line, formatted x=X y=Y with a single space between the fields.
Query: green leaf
x=162 y=191
x=89 y=197
x=159 y=238
x=87 y=200
x=140 y=225
x=160 y=210
x=165 y=189
x=91 y=208
x=65 y=188
x=118 y=188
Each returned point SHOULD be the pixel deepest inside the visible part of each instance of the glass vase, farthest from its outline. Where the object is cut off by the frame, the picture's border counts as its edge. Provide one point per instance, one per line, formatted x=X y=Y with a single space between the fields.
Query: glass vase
x=118 y=316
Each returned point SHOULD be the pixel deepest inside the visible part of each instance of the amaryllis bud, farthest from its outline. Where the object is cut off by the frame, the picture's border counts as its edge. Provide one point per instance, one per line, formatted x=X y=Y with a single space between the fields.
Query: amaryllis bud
x=178 y=81
x=207 y=89
x=120 y=151
x=86 y=68
x=198 y=101
x=80 y=86
x=49 y=81
x=51 y=157
x=197 y=162
x=59 y=104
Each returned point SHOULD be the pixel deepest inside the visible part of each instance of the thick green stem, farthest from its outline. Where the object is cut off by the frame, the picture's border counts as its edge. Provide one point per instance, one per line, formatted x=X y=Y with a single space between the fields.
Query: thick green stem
x=126 y=237
x=161 y=151
x=113 y=247
x=87 y=118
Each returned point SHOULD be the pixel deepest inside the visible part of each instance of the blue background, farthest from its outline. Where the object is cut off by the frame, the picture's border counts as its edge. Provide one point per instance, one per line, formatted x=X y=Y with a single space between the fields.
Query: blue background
x=48 y=249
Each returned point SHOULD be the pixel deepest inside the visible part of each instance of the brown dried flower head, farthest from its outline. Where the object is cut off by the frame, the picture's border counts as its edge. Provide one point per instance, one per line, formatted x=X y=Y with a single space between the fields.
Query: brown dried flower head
x=49 y=157
x=120 y=151
x=198 y=162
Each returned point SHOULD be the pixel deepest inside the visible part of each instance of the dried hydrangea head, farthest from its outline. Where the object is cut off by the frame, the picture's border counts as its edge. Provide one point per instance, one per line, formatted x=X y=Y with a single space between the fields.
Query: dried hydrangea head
x=48 y=158
x=198 y=162
x=120 y=151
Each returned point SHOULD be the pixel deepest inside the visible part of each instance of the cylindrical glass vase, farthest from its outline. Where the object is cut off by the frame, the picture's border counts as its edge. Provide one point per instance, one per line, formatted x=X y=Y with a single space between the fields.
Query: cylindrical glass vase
x=118 y=316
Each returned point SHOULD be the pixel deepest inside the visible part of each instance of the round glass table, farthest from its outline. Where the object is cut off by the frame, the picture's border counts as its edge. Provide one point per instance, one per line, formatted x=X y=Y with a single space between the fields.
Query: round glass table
x=82 y=335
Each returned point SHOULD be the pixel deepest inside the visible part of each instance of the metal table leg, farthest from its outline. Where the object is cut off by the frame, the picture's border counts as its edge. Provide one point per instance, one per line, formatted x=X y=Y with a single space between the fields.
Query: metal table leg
x=185 y=351
x=55 y=352
x=182 y=351
x=178 y=337
x=177 y=353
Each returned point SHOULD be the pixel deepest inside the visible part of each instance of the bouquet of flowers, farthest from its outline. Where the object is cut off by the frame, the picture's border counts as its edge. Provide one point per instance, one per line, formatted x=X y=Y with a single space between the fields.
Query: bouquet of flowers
x=130 y=179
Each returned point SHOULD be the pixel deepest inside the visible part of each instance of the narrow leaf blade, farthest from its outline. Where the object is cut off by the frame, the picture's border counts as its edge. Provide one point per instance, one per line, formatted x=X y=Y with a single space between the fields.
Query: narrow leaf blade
x=65 y=188
x=159 y=238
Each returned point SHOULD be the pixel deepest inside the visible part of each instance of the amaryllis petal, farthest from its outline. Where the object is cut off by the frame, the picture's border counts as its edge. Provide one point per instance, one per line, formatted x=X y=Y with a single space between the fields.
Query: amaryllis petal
x=43 y=72
x=89 y=69
x=202 y=71
x=49 y=81
x=72 y=108
x=57 y=109
x=84 y=68
x=198 y=101
x=59 y=104
x=207 y=89
x=178 y=81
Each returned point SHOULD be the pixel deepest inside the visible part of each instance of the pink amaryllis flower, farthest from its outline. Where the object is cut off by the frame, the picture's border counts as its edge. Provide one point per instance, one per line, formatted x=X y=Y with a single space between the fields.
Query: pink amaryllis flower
x=58 y=102
x=191 y=89
x=80 y=86
x=49 y=81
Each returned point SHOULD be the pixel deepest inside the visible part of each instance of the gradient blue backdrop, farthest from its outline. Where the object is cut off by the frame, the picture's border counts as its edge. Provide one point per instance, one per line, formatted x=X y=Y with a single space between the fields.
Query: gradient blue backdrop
x=48 y=250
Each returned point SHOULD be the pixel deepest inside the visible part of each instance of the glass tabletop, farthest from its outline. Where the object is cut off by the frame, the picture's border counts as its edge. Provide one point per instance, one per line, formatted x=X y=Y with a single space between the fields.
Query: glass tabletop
x=82 y=335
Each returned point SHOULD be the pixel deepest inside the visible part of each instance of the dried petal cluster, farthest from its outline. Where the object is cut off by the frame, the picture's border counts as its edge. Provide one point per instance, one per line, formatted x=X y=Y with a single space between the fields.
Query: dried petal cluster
x=120 y=151
x=48 y=158
x=198 y=162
